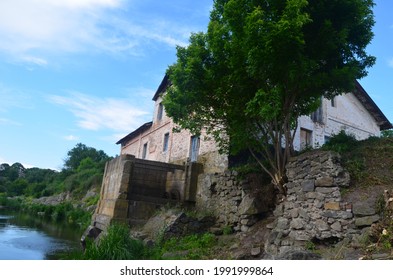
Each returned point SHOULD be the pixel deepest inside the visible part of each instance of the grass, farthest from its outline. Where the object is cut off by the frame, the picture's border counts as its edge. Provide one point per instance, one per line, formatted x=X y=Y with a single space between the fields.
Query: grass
x=116 y=244
x=191 y=247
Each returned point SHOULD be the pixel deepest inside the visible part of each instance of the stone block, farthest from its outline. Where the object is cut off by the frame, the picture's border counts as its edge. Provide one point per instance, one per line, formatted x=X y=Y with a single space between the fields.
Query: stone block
x=336 y=226
x=324 y=190
x=297 y=224
x=255 y=251
x=300 y=235
x=321 y=225
x=366 y=221
x=282 y=223
x=326 y=181
x=308 y=185
x=332 y=206
x=251 y=206
x=363 y=209
x=294 y=213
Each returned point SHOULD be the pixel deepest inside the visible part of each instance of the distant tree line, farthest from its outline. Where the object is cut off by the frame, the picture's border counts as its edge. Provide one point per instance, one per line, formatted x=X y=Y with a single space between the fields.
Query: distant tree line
x=83 y=169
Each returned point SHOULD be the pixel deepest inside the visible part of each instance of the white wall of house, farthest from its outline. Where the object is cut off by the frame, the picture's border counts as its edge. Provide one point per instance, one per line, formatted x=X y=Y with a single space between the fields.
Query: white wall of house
x=160 y=143
x=346 y=113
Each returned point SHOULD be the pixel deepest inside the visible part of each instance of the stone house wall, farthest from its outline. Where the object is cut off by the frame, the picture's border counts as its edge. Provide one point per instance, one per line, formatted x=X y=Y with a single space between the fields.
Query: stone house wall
x=179 y=145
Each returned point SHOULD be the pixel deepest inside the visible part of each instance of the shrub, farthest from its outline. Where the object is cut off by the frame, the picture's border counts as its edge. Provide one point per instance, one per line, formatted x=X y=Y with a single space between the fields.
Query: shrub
x=340 y=142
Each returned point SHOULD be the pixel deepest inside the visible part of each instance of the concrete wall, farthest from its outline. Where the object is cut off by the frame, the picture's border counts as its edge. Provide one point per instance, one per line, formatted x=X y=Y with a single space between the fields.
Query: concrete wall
x=132 y=189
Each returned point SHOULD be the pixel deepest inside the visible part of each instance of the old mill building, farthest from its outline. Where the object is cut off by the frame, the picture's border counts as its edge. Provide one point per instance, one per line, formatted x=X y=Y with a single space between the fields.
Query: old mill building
x=354 y=112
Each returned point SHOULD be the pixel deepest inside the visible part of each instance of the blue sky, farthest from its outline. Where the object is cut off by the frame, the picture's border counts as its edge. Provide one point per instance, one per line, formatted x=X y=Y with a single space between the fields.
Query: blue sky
x=85 y=70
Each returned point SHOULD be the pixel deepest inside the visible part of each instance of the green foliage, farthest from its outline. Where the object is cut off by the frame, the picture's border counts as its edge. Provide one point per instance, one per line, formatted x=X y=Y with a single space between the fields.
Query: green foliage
x=84 y=157
x=341 y=142
x=195 y=246
x=387 y=133
x=227 y=230
x=261 y=65
x=116 y=244
x=63 y=212
x=356 y=167
x=310 y=246
x=93 y=200
x=83 y=170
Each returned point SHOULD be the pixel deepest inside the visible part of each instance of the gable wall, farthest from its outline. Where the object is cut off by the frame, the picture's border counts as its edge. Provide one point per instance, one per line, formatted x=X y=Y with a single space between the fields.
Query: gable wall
x=348 y=114
x=178 y=147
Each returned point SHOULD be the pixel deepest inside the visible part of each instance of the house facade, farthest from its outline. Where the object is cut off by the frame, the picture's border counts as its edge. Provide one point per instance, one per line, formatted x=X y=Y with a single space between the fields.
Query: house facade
x=355 y=113
x=157 y=141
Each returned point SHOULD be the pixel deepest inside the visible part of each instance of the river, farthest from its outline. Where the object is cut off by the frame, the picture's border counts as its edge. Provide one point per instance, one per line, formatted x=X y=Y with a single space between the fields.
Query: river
x=23 y=237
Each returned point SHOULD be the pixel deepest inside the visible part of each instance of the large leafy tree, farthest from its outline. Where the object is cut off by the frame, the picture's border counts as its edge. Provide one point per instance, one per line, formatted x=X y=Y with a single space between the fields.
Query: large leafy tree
x=262 y=64
x=80 y=153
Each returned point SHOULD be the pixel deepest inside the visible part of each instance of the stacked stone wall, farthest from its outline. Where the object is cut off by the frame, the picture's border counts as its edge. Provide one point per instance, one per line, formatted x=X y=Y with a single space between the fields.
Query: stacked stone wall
x=232 y=200
x=313 y=209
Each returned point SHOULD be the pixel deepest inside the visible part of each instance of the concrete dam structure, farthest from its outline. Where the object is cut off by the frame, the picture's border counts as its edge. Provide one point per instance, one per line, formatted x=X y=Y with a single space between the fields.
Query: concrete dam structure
x=133 y=189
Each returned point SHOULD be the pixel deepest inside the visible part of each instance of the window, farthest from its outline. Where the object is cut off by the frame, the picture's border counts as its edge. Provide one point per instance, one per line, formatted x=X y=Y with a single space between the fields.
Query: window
x=144 y=152
x=160 y=111
x=194 y=149
x=333 y=102
x=166 y=142
x=305 y=138
x=317 y=116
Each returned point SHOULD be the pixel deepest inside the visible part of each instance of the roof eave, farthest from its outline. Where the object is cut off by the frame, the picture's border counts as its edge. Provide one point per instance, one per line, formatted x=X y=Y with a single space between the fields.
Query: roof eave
x=371 y=107
x=136 y=132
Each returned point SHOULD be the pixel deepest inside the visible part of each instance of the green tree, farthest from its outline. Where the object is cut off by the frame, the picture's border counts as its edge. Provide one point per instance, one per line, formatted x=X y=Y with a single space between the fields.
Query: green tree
x=261 y=65
x=80 y=152
x=387 y=133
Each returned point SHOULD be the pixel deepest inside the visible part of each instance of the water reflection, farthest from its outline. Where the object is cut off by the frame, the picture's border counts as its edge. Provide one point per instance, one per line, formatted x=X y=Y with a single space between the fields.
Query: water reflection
x=23 y=237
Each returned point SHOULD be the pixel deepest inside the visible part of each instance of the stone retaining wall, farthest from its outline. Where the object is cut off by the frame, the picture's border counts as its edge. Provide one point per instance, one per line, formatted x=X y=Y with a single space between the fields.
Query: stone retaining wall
x=313 y=209
x=232 y=200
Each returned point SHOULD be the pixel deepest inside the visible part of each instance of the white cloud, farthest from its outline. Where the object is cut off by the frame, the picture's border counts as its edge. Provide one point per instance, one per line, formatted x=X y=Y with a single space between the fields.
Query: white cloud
x=33 y=30
x=71 y=138
x=34 y=60
x=102 y=113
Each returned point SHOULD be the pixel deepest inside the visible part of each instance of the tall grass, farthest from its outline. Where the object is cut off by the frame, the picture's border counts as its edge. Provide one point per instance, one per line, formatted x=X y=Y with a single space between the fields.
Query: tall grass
x=116 y=244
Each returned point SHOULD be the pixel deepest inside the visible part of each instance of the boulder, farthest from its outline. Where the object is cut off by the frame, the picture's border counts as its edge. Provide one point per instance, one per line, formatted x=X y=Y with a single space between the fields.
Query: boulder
x=251 y=206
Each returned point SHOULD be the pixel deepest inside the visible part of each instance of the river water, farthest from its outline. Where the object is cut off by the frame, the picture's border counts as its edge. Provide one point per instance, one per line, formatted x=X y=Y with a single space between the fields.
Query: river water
x=23 y=237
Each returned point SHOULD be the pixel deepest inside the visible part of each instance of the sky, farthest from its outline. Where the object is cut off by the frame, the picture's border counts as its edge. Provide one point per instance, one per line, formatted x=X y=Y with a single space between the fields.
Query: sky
x=85 y=71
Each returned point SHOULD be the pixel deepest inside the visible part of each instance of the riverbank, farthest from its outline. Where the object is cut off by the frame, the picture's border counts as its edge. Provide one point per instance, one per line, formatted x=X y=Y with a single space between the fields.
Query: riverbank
x=58 y=208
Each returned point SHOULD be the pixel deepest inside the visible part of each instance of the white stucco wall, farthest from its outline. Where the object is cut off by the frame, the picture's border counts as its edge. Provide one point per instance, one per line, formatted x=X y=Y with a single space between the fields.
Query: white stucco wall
x=348 y=114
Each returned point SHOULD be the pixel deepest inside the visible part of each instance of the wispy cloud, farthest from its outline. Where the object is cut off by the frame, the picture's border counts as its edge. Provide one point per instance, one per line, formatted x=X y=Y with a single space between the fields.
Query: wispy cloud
x=33 y=30
x=4 y=121
x=94 y=113
x=71 y=138
x=390 y=62
x=34 y=60
x=11 y=98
